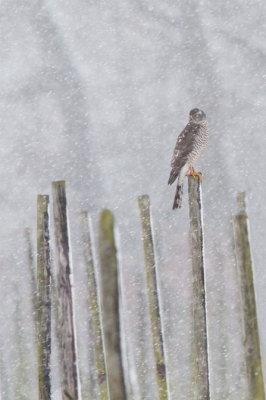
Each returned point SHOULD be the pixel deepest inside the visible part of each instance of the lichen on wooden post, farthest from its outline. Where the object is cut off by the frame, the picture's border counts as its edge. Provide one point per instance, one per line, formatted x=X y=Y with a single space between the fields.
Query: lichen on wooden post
x=68 y=353
x=153 y=296
x=248 y=302
x=110 y=307
x=199 y=348
x=43 y=298
x=94 y=306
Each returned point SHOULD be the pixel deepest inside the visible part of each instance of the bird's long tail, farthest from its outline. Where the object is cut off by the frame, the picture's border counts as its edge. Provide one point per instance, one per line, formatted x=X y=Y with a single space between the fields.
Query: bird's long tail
x=178 y=196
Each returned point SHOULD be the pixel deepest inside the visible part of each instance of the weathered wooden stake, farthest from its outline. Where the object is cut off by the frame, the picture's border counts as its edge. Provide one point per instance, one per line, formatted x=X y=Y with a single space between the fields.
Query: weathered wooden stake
x=33 y=278
x=43 y=298
x=68 y=356
x=199 y=353
x=94 y=305
x=248 y=302
x=21 y=381
x=153 y=298
x=110 y=307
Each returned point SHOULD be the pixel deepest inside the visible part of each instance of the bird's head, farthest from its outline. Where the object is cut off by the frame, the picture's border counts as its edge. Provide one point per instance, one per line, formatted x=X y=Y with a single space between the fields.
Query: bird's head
x=196 y=115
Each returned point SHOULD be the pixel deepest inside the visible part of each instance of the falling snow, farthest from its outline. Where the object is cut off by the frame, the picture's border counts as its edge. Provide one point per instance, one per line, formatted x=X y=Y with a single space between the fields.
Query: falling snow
x=95 y=93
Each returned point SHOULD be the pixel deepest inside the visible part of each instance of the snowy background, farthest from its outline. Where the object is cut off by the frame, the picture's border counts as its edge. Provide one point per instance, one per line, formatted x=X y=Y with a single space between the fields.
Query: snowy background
x=95 y=93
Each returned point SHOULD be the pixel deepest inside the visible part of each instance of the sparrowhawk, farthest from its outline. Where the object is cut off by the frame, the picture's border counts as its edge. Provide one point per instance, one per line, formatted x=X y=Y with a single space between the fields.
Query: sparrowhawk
x=190 y=144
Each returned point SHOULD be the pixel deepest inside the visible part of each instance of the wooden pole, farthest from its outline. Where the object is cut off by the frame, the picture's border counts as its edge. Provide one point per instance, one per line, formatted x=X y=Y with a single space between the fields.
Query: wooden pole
x=55 y=308
x=69 y=372
x=110 y=307
x=153 y=298
x=199 y=354
x=32 y=269
x=21 y=383
x=55 y=313
x=33 y=281
x=43 y=298
x=248 y=302
x=94 y=306
x=55 y=303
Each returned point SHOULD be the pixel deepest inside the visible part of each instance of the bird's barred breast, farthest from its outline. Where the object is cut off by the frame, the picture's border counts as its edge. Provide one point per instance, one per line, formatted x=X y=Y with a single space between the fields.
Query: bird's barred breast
x=199 y=145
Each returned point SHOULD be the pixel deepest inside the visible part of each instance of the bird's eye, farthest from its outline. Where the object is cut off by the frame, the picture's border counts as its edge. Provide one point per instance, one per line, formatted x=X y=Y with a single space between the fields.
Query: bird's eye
x=197 y=115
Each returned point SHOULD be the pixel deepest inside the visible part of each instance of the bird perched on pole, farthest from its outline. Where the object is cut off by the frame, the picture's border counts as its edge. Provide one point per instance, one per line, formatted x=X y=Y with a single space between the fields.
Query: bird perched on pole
x=189 y=146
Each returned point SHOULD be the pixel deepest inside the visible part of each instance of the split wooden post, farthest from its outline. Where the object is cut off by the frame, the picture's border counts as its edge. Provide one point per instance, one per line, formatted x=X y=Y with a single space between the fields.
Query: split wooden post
x=248 y=302
x=110 y=307
x=199 y=348
x=43 y=298
x=68 y=354
x=94 y=306
x=153 y=296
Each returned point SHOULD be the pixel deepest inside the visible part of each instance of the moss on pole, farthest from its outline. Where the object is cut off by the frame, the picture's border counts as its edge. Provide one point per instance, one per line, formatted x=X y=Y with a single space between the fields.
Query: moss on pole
x=110 y=307
x=153 y=297
x=248 y=302
x=94 y=306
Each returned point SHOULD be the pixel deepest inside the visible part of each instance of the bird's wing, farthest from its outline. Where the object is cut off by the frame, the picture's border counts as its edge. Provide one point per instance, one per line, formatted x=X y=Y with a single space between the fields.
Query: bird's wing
x=184 y=146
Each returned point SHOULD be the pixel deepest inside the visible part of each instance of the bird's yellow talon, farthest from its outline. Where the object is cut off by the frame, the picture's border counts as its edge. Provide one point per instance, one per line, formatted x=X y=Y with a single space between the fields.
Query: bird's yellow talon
x=193 y=173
